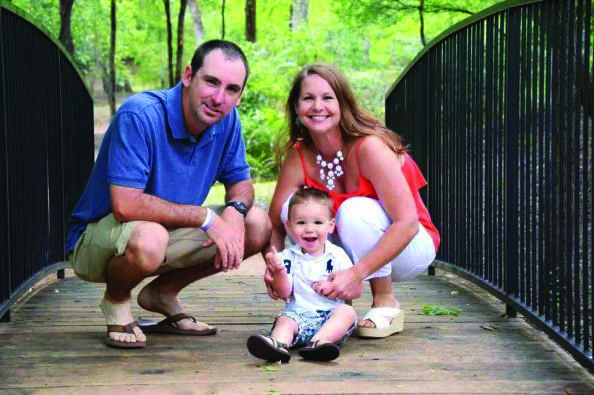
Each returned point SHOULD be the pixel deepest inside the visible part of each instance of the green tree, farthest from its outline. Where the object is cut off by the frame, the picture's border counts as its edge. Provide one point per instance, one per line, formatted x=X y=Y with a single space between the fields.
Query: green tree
x=250 y=20
x=65 y=35
x=392 y=10
x=371 y=41
x=110 y=86
x=169 y=39
x=197 y=18
x=180 y=39
x=299 y=12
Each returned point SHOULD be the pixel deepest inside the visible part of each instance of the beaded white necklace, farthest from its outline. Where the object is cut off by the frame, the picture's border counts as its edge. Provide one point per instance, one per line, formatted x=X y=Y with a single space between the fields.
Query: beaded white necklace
x=334 y=169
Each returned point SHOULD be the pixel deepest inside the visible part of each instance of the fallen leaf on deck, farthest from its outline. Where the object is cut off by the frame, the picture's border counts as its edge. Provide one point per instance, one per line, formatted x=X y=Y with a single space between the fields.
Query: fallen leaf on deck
x=440 y=310
x=489 y=327
x=272 y=367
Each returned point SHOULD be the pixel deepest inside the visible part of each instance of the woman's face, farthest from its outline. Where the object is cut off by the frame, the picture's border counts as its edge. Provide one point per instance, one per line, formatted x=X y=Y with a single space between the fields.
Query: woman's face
x=317 y=105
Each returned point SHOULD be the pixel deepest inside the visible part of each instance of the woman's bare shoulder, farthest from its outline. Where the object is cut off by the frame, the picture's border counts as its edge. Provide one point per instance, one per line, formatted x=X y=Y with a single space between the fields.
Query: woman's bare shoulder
x=374 y=148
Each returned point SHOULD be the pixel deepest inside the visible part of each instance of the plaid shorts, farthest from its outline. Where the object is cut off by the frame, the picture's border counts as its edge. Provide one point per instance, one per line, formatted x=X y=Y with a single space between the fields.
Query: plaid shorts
x=309 y=323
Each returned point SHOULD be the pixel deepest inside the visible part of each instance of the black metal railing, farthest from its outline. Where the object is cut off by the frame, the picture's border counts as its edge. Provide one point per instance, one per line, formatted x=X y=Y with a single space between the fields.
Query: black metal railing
x=499 y=113
x=46 y=152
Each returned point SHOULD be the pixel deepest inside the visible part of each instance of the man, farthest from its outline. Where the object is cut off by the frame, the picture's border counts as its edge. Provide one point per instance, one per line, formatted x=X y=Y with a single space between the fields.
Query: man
x=140 y=214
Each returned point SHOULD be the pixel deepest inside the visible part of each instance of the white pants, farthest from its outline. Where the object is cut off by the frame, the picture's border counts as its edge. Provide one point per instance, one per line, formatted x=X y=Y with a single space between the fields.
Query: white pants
x=361 y=222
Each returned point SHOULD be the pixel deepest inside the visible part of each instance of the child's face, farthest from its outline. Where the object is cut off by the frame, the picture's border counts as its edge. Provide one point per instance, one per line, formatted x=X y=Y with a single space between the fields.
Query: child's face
x=309 y=224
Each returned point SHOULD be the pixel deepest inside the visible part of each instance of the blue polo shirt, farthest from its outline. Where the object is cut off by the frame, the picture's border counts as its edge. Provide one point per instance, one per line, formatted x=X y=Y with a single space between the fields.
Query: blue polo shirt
x=148 y=147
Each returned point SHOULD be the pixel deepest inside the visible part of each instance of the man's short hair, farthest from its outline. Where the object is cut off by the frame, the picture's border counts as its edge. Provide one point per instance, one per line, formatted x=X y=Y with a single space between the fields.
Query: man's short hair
x=230 y=50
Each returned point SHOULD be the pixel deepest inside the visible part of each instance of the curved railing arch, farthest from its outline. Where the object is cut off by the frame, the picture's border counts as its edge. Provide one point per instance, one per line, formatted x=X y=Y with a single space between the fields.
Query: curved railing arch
x=498 y=111
x=46 y=151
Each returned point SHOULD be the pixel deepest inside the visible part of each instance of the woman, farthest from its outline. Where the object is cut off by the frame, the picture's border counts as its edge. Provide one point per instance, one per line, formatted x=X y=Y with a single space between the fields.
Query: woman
x=382 y=222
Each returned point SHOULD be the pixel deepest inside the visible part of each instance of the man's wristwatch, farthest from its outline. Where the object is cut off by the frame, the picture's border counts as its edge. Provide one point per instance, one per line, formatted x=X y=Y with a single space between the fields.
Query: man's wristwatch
x=239 y=206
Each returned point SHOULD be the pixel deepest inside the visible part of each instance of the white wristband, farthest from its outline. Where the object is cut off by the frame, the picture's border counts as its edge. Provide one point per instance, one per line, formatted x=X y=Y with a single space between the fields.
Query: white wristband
x=208 y=220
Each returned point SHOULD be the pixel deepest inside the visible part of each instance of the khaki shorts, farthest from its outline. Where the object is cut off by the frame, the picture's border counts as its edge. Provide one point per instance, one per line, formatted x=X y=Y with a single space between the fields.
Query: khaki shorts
x=108 y=238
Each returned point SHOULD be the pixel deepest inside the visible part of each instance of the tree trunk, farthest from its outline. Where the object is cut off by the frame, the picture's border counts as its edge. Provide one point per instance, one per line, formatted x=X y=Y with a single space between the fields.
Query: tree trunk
x=65 y=36
x=112 y=72
x=197 y=17
x=422 y=22
x=299 y=12
x=223 y=20
x=169 y=45
x=250 y=20
x=180 y=39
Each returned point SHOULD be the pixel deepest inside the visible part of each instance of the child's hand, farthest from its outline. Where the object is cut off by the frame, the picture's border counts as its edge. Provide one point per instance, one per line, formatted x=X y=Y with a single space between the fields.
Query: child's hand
x=274 y=265
x=274 y=270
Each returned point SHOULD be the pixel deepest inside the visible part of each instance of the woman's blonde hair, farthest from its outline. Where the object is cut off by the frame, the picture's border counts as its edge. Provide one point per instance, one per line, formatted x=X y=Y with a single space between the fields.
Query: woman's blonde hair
x=354 y=120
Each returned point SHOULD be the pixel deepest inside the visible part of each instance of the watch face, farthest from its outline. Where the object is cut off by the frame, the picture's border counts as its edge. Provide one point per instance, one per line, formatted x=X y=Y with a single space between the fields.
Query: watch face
x=239 y=206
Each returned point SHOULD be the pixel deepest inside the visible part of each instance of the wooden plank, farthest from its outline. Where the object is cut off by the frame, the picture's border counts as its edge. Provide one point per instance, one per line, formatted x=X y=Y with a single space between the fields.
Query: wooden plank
x=54 y=344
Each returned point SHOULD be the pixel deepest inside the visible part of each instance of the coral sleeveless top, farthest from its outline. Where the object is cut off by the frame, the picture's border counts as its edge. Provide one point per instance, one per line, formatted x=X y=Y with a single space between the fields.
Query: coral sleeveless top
x=413 y=177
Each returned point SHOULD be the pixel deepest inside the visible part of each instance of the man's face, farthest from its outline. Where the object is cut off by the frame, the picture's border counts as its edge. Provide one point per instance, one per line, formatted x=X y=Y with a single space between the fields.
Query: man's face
x=213 y=91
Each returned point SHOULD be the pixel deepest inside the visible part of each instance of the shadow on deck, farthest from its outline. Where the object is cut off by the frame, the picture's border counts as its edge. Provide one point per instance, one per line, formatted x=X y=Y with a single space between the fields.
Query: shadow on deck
x=54 y=345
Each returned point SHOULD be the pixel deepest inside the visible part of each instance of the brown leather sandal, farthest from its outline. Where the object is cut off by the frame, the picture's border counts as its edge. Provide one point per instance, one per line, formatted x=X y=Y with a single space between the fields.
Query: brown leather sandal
x=128 y=328
x=169 y=325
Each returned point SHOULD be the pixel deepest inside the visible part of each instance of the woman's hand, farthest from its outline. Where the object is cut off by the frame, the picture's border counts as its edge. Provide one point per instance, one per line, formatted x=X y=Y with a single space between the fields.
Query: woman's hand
x=344 y=284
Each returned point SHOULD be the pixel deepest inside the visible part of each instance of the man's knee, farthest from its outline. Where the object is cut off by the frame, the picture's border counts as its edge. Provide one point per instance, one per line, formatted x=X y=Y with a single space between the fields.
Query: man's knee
x=147 y=245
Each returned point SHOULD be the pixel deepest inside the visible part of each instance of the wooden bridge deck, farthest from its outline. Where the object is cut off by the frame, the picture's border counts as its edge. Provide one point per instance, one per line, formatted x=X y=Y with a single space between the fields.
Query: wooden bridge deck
x=54 y=345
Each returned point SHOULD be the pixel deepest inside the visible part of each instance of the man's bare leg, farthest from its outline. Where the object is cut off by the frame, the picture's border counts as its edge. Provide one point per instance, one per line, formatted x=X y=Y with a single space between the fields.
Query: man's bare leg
x=144 y=254
x=160 y=295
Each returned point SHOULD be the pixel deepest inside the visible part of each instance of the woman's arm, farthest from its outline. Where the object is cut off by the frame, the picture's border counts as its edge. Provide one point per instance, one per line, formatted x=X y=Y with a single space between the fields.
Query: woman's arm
x=383 y=168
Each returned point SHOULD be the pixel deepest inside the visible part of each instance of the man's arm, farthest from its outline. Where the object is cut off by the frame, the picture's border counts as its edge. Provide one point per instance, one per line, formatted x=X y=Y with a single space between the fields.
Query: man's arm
x=132 y=204
x=227 y=231
x=242 y=191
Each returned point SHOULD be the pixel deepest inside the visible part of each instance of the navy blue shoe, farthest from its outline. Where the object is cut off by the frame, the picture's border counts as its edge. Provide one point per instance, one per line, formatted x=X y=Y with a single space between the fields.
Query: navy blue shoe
x=314 y=351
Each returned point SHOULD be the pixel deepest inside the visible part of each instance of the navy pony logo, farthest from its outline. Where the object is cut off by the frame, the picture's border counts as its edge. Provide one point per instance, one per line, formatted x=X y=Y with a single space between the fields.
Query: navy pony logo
x=287 y=263
x=329 y=266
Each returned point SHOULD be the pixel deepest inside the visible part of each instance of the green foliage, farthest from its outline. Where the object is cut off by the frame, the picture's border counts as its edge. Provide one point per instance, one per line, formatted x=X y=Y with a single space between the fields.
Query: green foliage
x=371 y=41
x=440 y=310
x=264 y=191
x=46 y=12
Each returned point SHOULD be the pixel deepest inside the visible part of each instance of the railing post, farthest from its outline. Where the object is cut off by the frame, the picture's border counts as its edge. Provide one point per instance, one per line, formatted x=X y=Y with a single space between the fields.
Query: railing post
x=511 y=155
x=6 y=316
